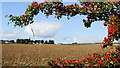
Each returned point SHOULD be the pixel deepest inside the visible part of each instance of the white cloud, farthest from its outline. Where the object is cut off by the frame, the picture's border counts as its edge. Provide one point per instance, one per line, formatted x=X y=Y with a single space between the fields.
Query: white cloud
x=9 y=34
x=84 y=39
x=43 y=29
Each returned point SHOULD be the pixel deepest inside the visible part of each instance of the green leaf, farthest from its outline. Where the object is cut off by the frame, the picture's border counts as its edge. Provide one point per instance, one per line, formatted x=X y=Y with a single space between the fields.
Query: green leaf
x=15 y=26
x=71 y=64
x=111 y=62
x=95 y=65
x=102 y=58
x=68 y=17
x=28 y=12
x=117 y=34
x=70 y=14
x=74 y=9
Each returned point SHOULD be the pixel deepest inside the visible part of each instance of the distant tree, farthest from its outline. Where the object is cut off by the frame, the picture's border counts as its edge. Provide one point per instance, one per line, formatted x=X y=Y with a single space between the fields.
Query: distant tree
x=31 y=42
x=2 y=41
x=23 y=41
x=37 y=41
x=42 y=41
x=51 y=41
x=6 y=41
x=74 y=43
x=46 y=42
x=26 y=41
x=17 y=40
x=11 y=41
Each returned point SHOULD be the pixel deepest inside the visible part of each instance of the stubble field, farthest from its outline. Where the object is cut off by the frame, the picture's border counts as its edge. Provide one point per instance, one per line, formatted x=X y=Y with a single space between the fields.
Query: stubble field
x=39 y=54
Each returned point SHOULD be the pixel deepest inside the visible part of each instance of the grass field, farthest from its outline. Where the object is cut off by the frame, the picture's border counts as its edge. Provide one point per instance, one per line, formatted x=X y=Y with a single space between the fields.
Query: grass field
x=39 y=54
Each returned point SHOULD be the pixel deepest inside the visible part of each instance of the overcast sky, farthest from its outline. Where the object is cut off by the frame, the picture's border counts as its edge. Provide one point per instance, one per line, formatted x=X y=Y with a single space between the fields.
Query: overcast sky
x=62 y=31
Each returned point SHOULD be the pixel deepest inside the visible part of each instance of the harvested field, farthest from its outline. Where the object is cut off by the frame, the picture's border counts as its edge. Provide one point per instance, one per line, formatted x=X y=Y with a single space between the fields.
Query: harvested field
x=39 y=54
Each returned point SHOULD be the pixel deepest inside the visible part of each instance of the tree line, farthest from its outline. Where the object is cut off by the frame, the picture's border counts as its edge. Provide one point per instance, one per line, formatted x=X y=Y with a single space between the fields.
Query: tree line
x=27 y=41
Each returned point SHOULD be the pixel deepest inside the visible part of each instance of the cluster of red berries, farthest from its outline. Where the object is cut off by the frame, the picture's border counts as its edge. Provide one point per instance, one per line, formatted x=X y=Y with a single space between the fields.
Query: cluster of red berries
x=109 y=59
x=113 y=30
x=103 y=59
x=61 y=62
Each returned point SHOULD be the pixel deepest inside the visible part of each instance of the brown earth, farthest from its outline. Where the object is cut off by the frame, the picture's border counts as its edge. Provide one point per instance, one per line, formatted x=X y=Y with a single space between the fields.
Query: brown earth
x=39 y=54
